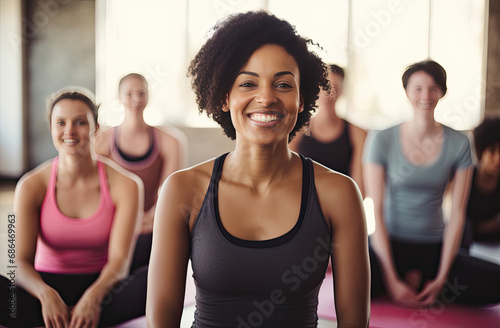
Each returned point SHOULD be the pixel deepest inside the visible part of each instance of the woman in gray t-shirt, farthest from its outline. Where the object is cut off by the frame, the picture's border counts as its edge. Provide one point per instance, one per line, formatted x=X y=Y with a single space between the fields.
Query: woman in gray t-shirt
x=408 y=167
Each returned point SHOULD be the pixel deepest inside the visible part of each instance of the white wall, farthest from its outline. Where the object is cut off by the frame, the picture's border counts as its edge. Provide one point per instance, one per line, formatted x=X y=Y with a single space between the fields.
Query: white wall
x=12 y=163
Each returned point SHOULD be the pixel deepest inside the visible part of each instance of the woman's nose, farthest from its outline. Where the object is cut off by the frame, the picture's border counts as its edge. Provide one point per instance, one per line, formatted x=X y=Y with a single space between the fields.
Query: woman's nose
x=266 y=96
x=68 y=129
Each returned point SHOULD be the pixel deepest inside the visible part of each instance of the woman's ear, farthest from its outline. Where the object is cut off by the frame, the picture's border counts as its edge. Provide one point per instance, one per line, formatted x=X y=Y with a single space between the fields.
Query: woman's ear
x=96 y=129
x=225 y=107
x=301 y=104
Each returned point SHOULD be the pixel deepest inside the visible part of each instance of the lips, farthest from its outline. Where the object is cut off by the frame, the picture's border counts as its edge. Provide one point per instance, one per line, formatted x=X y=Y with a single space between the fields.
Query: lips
x=264 y=118
x=70 y=141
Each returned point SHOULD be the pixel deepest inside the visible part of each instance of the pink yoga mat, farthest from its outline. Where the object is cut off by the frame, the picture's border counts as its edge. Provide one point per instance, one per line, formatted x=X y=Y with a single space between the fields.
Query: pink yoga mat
x=384 y=314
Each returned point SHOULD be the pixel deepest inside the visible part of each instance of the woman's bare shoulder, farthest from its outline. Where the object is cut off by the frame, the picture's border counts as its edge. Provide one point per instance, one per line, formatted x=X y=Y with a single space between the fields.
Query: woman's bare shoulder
x=196 y=176
x=170 y=134
x=334 y=187
x=35 y=182
x=102 y=140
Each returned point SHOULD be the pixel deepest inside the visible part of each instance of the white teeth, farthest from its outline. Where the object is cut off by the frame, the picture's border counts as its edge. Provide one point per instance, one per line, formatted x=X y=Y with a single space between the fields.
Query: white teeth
x=264 y=118
x=69 y=140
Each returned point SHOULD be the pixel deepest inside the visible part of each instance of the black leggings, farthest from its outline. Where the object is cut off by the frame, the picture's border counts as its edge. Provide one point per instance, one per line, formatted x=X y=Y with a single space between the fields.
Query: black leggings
x=125 y=301
x=142 y=251
x=471 y=280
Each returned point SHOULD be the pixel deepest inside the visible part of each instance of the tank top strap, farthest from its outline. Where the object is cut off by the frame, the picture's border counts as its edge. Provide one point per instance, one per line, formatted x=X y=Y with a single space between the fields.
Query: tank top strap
x=217 y=170
x=103 y=180
x=53 y=176
x=346 y=128
x=112 y=141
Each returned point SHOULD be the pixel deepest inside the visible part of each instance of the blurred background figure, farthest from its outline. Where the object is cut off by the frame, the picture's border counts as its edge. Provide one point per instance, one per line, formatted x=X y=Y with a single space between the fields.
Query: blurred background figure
x=330 y=140
x=483 y=210
x=414 y=252
x=76 y=219
x=152 y=153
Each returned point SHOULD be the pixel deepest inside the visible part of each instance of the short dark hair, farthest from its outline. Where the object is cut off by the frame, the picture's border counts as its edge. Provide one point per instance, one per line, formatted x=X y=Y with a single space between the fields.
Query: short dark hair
x=126 y=77
x=215 y=67
x=487 y=134
x=73 y=95
x=430 y=67
x=336 y=69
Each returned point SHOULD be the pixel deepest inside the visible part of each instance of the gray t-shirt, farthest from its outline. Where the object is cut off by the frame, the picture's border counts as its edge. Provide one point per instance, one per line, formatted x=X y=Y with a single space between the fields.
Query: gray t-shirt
x=413 y=193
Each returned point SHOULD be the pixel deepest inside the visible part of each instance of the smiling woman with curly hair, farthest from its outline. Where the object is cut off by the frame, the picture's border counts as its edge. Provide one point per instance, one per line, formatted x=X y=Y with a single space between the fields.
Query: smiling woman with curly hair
x=217 y=64
x=261 y=222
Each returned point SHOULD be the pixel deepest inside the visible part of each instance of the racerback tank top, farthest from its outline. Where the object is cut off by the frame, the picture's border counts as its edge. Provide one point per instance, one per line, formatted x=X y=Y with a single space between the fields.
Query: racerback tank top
x=148 y=167
x=74 y=245
x=271 y=283
x=336 y=155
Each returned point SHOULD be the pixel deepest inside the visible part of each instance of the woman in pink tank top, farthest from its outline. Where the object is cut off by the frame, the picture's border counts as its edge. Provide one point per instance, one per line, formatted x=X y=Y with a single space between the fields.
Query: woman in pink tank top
x=152 y=153
x=76 y=219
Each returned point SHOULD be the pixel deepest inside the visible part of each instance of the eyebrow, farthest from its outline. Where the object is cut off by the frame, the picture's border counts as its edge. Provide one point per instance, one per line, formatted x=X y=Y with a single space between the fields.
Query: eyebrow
x=79 y=117
x=257 y=75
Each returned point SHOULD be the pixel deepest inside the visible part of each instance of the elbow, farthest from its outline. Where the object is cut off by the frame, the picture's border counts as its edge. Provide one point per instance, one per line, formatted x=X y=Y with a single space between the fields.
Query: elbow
x=355 y=323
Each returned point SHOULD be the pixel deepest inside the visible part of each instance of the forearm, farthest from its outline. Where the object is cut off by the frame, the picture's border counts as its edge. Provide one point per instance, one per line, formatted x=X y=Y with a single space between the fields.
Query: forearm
x=451 y=242
x=382 y=246
x=112 y=272
x=31 y=280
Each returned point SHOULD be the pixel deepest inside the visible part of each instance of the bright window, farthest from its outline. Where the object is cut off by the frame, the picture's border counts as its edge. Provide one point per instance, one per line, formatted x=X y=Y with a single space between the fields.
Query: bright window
x=373 y=39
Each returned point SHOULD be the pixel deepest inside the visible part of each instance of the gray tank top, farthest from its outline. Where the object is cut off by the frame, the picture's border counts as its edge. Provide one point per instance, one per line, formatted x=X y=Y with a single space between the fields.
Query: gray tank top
x=269 y=283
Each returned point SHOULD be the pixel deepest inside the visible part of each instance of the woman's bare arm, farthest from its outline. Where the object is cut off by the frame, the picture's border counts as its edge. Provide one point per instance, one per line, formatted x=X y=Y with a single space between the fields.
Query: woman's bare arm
x=358 y=137
x=170 y=253
x=29 y=195
x=398 y=290
x=452 y=235
x=342 y=206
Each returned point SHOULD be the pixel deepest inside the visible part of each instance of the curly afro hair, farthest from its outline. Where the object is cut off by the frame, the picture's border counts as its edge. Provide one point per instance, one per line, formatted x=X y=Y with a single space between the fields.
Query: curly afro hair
x=216 y=66
x=487 y=134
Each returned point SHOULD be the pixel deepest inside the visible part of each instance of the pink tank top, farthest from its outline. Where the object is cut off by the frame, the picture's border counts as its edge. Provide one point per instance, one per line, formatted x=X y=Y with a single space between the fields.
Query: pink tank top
x=148 y=168
x=74 y=245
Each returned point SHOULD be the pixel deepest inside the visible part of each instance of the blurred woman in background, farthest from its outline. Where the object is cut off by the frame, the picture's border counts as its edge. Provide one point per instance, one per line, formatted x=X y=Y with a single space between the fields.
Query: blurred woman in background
x=76 y=218
x=330 y=140
x=152 y=153
x=414 y=252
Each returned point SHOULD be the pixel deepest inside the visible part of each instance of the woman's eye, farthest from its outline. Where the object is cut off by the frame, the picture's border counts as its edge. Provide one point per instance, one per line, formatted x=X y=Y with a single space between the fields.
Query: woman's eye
x=81 y=123
x=60 y=123
x=247 y=85
x=283 y=85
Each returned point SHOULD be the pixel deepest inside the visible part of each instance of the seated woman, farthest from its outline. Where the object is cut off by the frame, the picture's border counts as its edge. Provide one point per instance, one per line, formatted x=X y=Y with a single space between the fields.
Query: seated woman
x=407 y=168
x=330 y=140
x=149 y=152
x=75 y=229
x=260 y=222
x=483 y=210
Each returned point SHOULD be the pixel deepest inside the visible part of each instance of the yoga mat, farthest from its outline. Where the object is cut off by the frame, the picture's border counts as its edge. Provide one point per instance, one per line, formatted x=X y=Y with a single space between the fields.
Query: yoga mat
x=387 y=315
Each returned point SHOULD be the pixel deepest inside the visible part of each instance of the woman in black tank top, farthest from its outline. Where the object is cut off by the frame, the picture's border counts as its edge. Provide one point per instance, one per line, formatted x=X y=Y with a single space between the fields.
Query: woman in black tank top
x=331 y=140
x=260 y=223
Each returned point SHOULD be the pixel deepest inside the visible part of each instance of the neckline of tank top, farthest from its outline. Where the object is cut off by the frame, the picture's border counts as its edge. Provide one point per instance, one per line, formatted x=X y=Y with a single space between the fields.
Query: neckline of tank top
x=133 y=158
x=103 y=192
x=268 y=243
x=344 y=134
